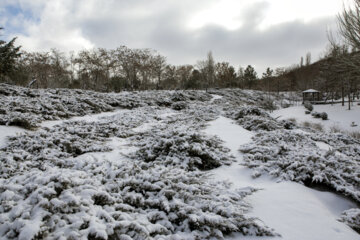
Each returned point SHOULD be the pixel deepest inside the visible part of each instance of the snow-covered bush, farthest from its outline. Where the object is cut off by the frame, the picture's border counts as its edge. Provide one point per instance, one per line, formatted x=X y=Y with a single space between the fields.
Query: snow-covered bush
x=352 y=218
x=268 y=104
x=285 y=104
x=188 y=150
x=254 y=123
x=308 y=106
x=316 y=114
x=178 y=105
x=254 y=111
x=324 y=116
x=49 y=187
x=48 y=195
x=254 y=118
x=132 y=201
x=28 y=107
x=294 y=156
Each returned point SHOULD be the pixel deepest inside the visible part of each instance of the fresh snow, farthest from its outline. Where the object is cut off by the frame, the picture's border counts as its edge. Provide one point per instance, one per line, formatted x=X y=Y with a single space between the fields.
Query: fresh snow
x=7 y=131
x=323 y=146
x=214 y=97
x=339 y=116
x=293 y=210
x=148 y=167
x=86 y=118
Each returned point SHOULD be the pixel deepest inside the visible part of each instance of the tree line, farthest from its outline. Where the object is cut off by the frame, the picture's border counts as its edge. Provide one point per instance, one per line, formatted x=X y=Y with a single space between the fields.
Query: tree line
x=117 y=69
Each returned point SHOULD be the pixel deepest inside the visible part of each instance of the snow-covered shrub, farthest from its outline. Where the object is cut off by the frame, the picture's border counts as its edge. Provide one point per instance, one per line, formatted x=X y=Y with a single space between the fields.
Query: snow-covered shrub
x=178 y=105
x=285 y=104
x=307 y=112
x=28 y=107
x=324 y=116
x=254 y=123
x=316 y=114
x=132 y=201
x=268 y=104
x=352 y=218
x=178 y=97
x=294 y=156
x=24 y=120
x=164 y=102
x=254 y=118
x=188 y=150
x=46 y=193
x=308 y=106
x=250 y=110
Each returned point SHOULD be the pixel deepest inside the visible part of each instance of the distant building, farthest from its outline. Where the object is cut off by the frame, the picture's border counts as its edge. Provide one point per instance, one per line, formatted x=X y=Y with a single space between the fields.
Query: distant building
x=311 y=95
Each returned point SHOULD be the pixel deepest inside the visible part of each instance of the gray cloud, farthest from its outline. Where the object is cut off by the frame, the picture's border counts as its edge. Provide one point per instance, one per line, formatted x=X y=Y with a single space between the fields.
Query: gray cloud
x=279 y=45
x=162 y=25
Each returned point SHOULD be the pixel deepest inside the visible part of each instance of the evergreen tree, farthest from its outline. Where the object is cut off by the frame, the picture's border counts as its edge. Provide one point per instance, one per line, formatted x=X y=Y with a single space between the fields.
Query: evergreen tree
x=8 y=55
x=250 y=76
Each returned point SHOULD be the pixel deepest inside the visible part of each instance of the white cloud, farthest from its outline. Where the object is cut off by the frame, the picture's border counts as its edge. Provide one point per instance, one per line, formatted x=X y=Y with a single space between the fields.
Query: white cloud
x=281 y=11
x=225 y=13
x=52 y=26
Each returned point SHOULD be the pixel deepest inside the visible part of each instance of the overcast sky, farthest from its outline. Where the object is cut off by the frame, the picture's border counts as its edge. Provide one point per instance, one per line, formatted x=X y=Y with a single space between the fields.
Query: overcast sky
x=263 y=33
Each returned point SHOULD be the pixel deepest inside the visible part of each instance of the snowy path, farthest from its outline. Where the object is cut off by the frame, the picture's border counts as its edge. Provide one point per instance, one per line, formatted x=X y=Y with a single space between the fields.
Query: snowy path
x=293 y=210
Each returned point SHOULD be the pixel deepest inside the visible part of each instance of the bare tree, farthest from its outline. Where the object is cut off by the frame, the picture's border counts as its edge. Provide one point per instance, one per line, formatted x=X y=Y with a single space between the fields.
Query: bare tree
x=159 y=64
x=347 y=64
x=207 y=70
x=349 y=24
x=308 y=59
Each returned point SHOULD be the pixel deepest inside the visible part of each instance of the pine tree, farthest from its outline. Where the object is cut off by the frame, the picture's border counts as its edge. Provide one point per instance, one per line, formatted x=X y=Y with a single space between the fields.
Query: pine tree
x=250 y=76
x=8 y=55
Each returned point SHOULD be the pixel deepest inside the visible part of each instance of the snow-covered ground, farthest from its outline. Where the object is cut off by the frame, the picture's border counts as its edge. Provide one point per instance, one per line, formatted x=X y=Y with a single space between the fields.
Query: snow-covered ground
x=339 y=116
x=7 y=131
x=293 y=210
x=155 y=170
x=215 y=97
x=87 y=118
